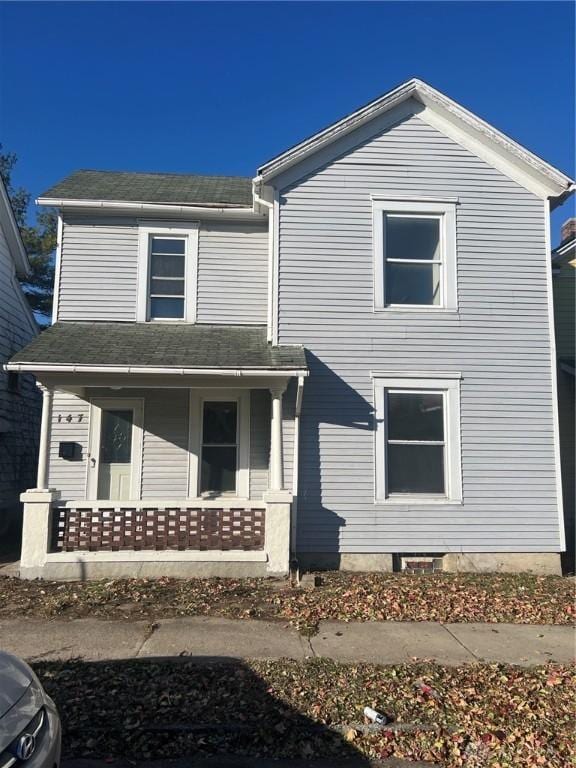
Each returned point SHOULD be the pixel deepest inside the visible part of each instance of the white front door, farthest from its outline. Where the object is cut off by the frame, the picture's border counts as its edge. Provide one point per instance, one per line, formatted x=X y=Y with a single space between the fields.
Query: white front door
x=115 y=447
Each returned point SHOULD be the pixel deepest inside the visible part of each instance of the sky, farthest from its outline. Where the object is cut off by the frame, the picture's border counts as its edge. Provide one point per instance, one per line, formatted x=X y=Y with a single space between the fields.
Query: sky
x=218 y=87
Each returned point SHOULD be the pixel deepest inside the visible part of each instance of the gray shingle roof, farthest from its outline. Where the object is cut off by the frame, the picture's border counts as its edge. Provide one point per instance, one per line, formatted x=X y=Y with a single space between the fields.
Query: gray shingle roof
x=174 y=188
x=158 y=345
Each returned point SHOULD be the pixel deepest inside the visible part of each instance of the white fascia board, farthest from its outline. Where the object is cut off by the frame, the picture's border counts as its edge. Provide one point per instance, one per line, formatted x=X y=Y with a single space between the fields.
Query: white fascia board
x=446 y=115
x=157 y=208
x=349 y=123
x=47 y=368
x=12 y=234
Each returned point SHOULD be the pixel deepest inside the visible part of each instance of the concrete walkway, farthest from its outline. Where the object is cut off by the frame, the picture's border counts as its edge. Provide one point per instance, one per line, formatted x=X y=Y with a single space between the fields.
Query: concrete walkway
x=377 y=642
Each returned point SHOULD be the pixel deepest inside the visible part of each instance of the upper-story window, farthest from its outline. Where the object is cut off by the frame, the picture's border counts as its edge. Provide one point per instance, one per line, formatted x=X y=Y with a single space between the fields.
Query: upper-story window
x=167 y=267
x=167 y=283
x=415 y=254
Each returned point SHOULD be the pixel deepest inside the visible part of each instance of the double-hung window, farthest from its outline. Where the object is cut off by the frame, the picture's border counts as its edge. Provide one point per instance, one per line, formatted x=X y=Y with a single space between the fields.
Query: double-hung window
x=414 y=254
x=167 y=283
x=219 y=443
x=219 y=459
x=167 y=270
x=418 y=438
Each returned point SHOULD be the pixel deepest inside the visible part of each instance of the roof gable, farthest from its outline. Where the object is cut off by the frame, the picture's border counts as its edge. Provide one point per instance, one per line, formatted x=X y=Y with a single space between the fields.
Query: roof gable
x=450 y=118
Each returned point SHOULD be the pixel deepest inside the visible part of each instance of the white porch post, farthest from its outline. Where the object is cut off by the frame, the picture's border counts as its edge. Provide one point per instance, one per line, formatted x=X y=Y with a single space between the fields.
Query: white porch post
x=42 y=478
x=276 y=468
x=37 y=523
x=278 y=501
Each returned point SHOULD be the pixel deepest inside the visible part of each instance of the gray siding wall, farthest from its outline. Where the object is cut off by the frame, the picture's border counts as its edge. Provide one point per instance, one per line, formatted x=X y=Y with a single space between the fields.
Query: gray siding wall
x=260 y=406
x=498 y=340
x=98 y=278
x=99 y=267
x=165 y=442
x=232 y=273
x=19 y=410
x=70 y=423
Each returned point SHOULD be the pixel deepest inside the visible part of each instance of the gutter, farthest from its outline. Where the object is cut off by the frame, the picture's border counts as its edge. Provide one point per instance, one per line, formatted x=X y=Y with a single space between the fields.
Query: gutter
x=256 y=184
x=118 y=205
x=118 y=369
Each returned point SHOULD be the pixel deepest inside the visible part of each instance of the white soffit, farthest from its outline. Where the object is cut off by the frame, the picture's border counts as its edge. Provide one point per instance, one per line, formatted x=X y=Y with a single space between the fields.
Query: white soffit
x=468 y=130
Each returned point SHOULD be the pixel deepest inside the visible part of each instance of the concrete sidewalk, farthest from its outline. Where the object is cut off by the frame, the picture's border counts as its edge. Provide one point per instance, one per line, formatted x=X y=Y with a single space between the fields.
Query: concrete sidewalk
x=377 y=642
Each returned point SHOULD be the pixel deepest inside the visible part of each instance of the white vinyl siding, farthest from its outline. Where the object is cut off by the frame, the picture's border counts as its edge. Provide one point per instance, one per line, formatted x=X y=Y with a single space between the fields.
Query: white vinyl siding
x=99 y=271
x=165 y=442
x=232 y=273
x=499 y=340
x=99 y=267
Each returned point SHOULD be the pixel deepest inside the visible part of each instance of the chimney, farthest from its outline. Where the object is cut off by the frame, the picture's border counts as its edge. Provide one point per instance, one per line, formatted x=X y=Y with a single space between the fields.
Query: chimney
x=568 y=230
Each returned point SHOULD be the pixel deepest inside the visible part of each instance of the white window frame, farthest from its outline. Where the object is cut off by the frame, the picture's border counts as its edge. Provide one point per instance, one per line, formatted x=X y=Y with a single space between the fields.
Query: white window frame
x=97 y=404
x=449 y=385
x=195 y=440
x=189 y=231
x=445 y=211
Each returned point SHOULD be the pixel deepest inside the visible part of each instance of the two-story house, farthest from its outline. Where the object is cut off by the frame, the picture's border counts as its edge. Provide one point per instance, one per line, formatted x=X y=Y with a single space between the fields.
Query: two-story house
x=19 y=398
x=345 y=360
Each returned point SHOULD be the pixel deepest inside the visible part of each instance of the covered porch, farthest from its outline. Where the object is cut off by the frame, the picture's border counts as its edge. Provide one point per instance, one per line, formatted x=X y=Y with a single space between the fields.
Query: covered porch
x=157 y=468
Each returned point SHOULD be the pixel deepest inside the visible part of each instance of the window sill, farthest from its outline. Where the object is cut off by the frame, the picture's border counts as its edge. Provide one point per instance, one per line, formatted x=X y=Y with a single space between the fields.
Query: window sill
x=423 y=309
x=391 y=501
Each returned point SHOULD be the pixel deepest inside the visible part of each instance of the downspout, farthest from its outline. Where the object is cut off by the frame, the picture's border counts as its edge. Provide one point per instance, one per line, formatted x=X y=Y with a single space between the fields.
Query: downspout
x=295 y=466
x=270 y=206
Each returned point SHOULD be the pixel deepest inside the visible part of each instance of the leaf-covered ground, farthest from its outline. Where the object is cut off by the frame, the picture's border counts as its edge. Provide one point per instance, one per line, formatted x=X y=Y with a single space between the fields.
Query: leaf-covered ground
x=519 y=599
x=474 y=716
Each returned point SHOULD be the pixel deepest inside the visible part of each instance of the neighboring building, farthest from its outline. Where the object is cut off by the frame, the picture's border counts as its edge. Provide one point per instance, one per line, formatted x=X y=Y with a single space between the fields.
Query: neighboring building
x=564 y=283
x=346 y=360
x=19 y=398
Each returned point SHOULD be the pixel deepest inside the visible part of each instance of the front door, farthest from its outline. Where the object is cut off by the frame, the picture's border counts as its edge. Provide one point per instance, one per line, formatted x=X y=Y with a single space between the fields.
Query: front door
x=115 y=429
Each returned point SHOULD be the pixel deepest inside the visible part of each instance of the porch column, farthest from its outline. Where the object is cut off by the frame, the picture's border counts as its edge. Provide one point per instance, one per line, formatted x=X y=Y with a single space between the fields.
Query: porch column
x=276 y=468
x=42 y=479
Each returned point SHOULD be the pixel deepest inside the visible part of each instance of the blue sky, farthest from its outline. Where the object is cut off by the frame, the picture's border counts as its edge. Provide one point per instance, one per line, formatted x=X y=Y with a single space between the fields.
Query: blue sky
x=221 y=87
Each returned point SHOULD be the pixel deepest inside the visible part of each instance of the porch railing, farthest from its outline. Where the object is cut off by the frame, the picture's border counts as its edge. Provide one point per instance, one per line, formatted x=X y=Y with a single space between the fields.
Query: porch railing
x=116 y=526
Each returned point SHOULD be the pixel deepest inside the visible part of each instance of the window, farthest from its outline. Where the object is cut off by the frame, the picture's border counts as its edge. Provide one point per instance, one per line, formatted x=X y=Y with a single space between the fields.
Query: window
x=219 y=447
x=415 y=254
x=417 y=438
x=415 y=442
x=167 y=272
x=219 y=443
x=167 y=278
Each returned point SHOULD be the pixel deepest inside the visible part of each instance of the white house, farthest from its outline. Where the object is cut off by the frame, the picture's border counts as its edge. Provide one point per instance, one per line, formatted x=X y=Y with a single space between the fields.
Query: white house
x=346 y=360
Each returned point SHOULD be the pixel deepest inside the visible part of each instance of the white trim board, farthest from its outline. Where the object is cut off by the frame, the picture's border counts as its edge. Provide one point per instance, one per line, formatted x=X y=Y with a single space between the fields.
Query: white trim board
x=445 y=212
x=125 y=206
x=444 y=382
x=187 y=230
x=232 y=372
x=197 y=398
x=136 y=404
x=57 y=269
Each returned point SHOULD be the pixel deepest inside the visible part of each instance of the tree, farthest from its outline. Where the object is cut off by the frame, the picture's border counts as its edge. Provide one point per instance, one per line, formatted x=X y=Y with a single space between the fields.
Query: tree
x=39 y=241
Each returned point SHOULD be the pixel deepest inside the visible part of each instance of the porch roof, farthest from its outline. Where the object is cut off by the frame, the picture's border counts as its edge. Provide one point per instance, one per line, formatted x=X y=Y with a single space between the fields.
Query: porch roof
x=156 y=347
